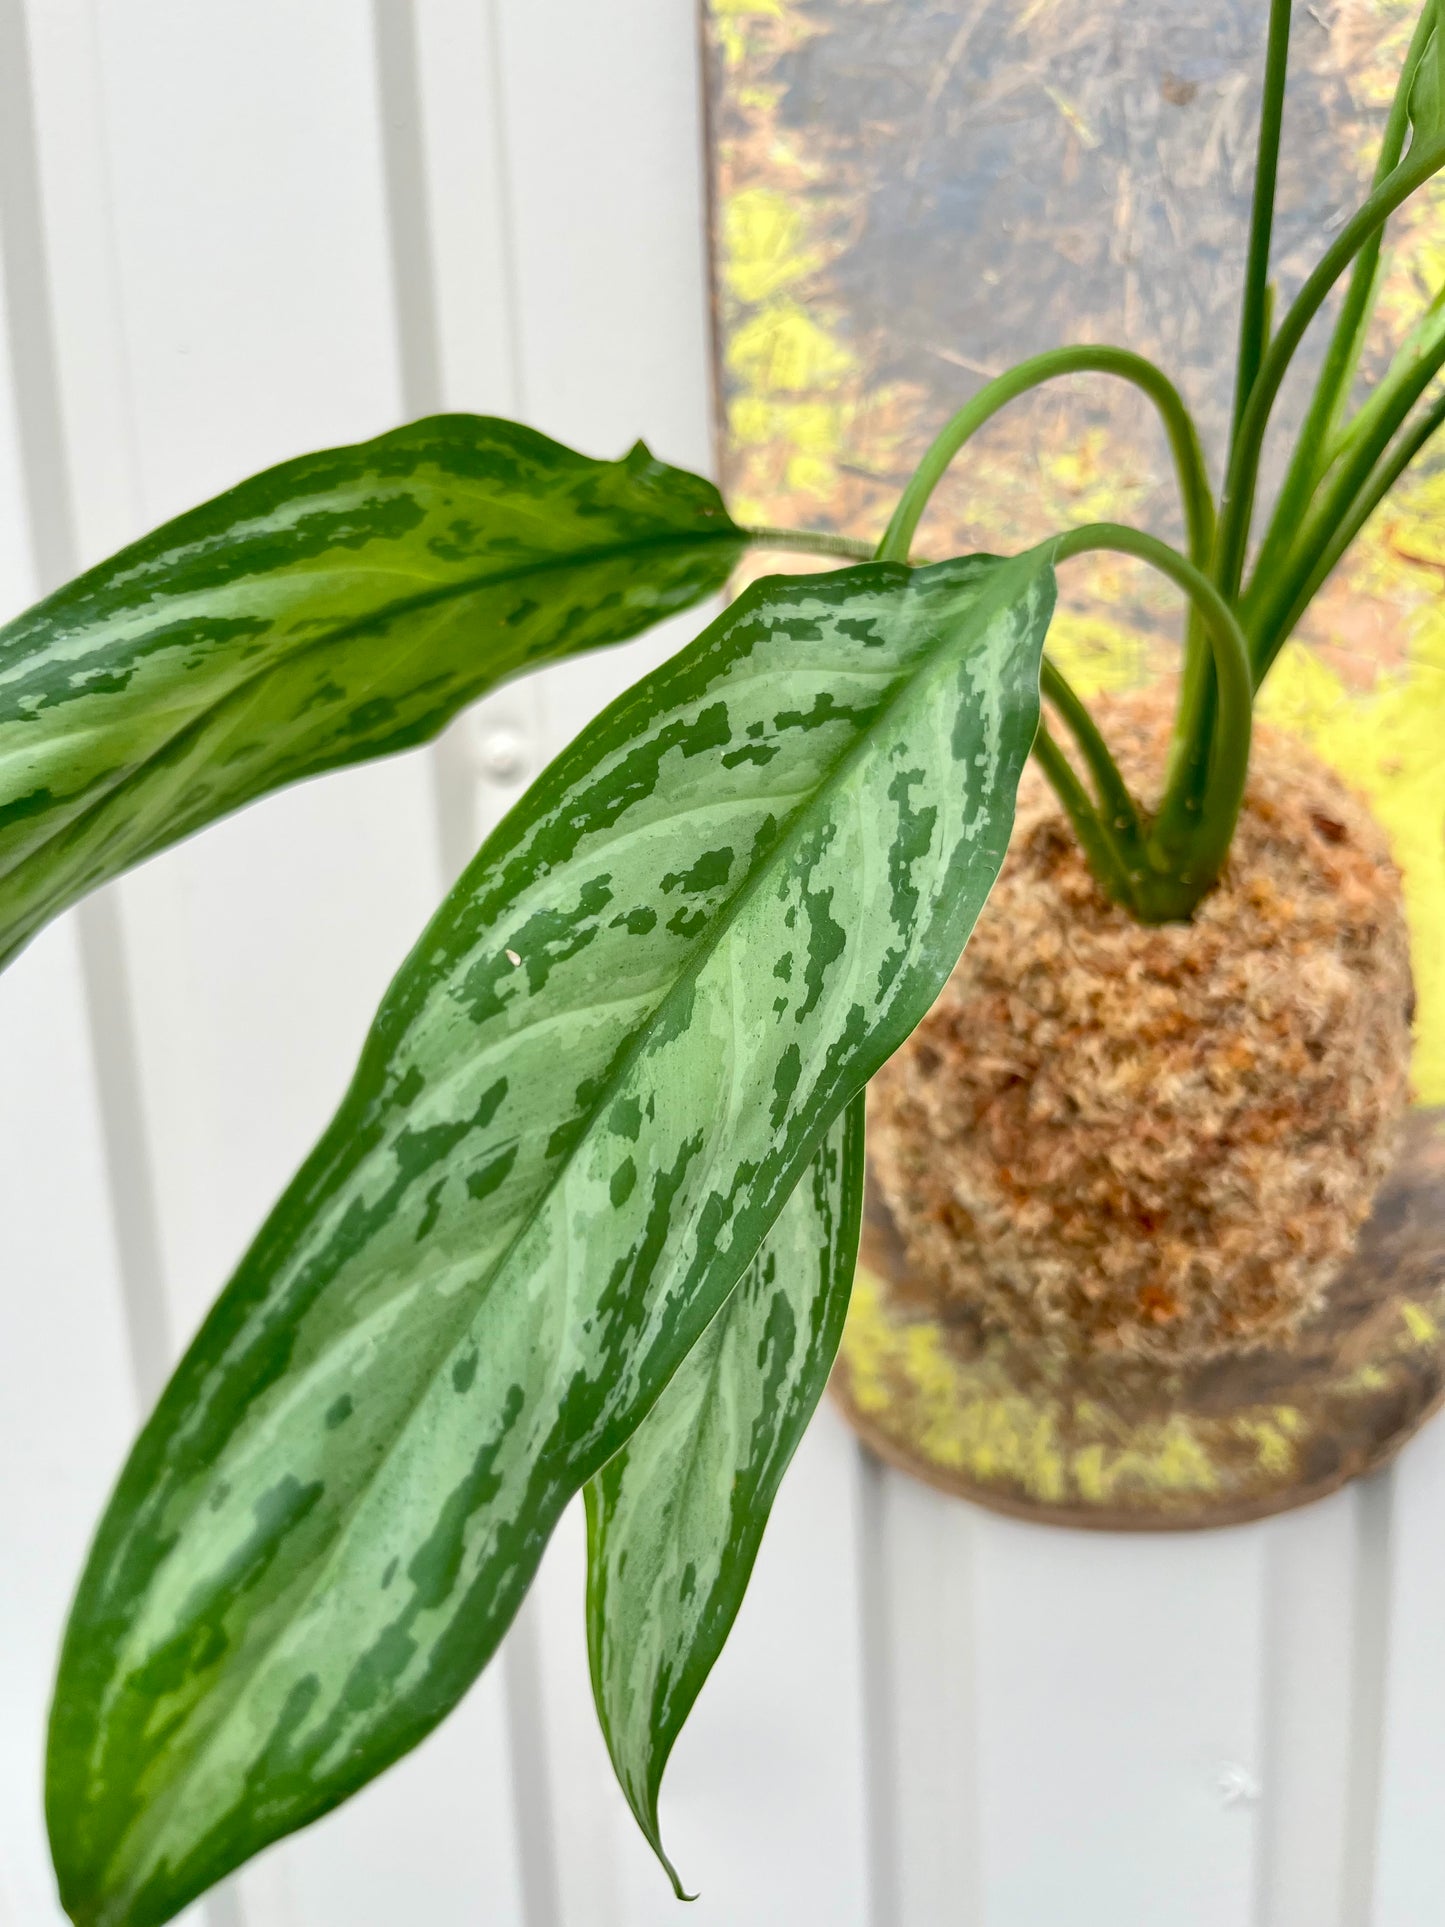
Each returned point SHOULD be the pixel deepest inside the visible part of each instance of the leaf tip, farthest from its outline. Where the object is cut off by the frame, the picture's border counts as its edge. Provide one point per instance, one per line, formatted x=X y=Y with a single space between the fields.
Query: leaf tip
x=651 y=1827
x=679 y=1891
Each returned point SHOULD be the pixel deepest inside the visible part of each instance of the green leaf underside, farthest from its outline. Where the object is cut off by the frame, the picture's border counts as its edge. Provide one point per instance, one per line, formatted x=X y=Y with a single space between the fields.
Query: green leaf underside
x=333 y=609
x=675 y=1519
x=731 y=899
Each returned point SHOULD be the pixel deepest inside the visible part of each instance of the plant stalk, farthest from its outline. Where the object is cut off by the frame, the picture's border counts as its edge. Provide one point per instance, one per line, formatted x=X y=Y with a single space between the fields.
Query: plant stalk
x=1266 y=602
x=1369 y=499
x=1234 y=515
x=1117 y=806
x=812 y=542
x=1184 y=441
x=1182 y=862
x=1312 y=450
x=1112 y=870
x=1254 y=316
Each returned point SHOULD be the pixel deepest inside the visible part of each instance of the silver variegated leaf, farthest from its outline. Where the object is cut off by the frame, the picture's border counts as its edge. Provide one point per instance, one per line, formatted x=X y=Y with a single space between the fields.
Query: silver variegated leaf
x=675 y=1519
x=333 y=609
x=586 y=1097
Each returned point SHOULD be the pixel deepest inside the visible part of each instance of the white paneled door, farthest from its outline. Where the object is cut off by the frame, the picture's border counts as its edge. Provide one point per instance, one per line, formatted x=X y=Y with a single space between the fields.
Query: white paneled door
x=237 y=230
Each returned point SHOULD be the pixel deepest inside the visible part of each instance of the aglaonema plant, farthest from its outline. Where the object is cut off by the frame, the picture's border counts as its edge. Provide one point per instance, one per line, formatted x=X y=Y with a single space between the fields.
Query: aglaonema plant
x=586 y=1217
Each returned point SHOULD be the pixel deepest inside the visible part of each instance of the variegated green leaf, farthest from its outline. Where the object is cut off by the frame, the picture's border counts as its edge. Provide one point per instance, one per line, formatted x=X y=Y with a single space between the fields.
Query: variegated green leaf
x=336 y=608
x=675 y=1519
x=587 y=1095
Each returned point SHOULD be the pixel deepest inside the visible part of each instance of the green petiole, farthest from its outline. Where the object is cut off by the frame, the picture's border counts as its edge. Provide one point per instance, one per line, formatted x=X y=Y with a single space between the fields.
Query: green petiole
x=1368 y=219
x=1348 y=337
x=1113 y=870
x=1270 y=596
x=1198 y=502
x=1183 y=859
x=1119 y=810
x=812 y=542
x=1368 y=500
x=1254 y=310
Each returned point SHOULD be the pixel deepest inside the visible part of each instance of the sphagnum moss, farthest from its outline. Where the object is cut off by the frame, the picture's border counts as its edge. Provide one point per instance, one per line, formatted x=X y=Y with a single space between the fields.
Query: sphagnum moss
x=1159 y=1141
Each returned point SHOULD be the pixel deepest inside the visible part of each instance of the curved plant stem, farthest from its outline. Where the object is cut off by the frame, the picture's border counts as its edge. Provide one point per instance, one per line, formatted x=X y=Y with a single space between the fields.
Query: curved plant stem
x=1419 y=352
x=1117 y=806
x=1347 y=339
x=1084 y=359
x=1368 y=500
x=1112 y=869
x=1254 y=310
x=1235 y=507
x=1183 y=859
x=1267 y=600
x=812 y=542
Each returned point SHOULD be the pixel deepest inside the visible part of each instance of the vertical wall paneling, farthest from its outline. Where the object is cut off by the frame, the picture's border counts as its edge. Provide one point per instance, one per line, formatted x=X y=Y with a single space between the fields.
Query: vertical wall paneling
x=1119 y=1739
x=1371 y=1619
x=1409 y=1857
x=216 y=213
x=587 y=1811
x=448 y=182
x=610 y=316
x=461 y=141
x=67 y=1402
x=93 y=378
x=63 y=188
x=1312 y=1737
x=37 y=541
x=605 y=166
x=67 y=1405
x=924 y=1760
x=79 y=1329
x=881 y=1726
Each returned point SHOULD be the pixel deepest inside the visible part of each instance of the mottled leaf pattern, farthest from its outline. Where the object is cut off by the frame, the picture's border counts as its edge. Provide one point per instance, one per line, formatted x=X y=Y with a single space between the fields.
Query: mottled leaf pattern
x=675 y=1519
x=336 y=608
x=587 y=1095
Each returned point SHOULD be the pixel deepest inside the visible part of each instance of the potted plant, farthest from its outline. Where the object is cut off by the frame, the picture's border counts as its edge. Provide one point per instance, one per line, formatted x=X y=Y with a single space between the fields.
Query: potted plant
x=587 y=1216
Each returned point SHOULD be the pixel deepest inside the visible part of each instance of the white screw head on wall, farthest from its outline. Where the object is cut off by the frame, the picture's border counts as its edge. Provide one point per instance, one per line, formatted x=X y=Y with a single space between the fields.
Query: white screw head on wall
x=501 y=754
x=1237 y=1785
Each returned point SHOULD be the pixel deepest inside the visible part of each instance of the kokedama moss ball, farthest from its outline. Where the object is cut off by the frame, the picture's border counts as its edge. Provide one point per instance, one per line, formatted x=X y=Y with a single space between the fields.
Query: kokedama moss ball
x=1159 y=1141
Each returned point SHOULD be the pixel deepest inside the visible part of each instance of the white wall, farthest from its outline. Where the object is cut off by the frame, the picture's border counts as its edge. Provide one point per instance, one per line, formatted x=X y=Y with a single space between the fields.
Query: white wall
x=238 y=229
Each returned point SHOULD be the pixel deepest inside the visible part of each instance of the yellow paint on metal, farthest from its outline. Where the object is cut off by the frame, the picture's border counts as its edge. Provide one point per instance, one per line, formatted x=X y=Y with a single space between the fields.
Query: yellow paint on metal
x=730 y=18
x=1422 y=1327
x=765 y=241
x=793 y=377
x=965 y=1417
x=1271 y=1443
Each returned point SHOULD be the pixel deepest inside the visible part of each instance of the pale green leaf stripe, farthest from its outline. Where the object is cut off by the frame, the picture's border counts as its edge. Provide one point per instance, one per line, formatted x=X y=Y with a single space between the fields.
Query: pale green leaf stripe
x=588 y=1093
x=335 y=608
x=675 y=1519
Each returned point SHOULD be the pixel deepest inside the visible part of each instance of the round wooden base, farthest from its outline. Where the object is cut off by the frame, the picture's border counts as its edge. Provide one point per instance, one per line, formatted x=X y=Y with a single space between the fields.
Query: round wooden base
x=1123 y=1444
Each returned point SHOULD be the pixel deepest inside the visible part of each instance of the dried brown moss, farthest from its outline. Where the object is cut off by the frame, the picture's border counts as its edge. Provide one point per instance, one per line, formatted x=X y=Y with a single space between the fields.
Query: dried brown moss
x=1159 y=1141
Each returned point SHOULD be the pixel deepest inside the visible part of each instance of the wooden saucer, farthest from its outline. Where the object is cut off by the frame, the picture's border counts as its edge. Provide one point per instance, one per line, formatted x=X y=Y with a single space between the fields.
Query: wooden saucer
x=1124 y=1444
